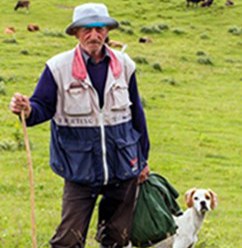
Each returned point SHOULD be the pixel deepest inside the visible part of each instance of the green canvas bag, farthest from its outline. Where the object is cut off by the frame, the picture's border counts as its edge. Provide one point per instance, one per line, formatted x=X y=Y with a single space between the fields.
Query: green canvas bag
x=156 y=203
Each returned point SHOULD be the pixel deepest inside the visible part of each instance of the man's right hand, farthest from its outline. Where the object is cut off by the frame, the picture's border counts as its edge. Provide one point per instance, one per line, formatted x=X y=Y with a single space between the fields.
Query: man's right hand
x=18 y=103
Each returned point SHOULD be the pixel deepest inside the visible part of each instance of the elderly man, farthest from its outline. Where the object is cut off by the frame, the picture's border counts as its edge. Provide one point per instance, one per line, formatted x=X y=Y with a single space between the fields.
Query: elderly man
x=99 y=141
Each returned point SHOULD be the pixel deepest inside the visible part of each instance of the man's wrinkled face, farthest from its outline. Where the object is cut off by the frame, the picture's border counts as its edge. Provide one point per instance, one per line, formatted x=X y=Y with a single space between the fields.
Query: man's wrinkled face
x=92 y=39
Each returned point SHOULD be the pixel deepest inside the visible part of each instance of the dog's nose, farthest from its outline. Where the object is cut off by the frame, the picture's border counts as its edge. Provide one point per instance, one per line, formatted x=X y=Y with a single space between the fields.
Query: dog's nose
x=204 y=205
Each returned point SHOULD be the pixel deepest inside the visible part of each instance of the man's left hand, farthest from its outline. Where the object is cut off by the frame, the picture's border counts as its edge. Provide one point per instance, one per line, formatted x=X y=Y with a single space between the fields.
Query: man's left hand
x=144 y=174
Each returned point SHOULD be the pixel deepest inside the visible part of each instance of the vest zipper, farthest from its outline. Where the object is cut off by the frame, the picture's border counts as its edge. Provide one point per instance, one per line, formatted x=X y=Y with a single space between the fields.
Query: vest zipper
x=103 y=145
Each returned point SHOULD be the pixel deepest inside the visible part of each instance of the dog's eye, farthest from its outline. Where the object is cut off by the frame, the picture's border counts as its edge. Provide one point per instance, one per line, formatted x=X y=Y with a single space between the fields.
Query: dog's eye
x=207 y=197
x=195 y=198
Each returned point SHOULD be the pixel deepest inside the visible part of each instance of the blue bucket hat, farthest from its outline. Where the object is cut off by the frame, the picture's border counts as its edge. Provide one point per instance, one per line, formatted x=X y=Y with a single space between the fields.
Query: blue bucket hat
x=91 y=15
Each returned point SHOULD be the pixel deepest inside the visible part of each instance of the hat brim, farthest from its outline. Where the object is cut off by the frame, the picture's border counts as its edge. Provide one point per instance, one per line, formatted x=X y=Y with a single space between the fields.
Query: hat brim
x=108 y=22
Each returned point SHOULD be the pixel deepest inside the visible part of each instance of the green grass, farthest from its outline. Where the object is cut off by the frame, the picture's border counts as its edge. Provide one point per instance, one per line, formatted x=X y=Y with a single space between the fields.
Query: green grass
x=193 y=108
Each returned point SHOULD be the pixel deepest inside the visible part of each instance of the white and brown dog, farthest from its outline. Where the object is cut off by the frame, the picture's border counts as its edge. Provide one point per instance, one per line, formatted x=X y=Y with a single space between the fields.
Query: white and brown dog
x=198 y=201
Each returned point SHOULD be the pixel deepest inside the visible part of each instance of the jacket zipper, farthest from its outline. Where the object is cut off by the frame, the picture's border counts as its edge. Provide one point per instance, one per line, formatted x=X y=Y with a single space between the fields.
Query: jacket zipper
x=103 y=145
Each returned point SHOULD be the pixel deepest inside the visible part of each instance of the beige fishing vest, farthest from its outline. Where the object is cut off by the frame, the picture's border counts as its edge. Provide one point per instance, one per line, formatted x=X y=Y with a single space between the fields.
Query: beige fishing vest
x=77 y=100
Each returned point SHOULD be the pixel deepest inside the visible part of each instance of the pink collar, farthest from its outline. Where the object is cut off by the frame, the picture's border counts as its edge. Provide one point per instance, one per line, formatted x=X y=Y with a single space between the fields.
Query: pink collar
x=79 y=70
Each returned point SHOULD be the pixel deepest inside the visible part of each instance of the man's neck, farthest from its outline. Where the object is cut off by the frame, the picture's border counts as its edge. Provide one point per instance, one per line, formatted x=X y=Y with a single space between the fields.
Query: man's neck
x=96 y=56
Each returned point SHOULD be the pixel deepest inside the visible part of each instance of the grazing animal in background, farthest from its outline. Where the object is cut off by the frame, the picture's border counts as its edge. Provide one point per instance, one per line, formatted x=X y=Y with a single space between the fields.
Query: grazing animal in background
x=33 y=27
x=199 y=202
x=229 y=3
x=22 y=4
x=194 y=2
x=145 y=40
x=10 y=30
x=115 y=44
x=207 y=3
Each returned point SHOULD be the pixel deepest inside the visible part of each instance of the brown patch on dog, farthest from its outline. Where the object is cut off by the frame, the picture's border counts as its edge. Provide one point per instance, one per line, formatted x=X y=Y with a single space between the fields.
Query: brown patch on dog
x=188 y=197
x=214 y=200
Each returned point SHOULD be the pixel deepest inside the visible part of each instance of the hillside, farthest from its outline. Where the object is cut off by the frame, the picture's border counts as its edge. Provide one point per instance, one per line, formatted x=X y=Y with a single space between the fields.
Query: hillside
x=191 y=86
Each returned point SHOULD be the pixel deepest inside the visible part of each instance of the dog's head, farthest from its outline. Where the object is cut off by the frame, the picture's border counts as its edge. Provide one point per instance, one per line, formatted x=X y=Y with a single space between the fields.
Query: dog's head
x=202 y=200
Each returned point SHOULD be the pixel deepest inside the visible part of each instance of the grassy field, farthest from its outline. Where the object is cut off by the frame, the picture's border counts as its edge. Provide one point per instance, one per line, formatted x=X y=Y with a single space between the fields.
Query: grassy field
x=191 y=84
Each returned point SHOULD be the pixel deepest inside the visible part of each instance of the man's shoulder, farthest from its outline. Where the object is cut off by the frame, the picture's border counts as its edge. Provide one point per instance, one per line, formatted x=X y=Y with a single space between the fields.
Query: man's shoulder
x=61 y=58
x=122 y=56
x=127 y=63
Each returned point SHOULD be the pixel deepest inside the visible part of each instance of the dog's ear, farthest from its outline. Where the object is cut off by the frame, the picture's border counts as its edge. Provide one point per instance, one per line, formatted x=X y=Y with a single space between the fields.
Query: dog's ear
x=188 y=197
x=214 y=199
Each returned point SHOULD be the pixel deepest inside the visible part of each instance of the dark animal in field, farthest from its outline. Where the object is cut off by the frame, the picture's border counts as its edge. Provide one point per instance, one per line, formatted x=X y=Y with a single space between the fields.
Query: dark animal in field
x=33 y=27
x=22 y=4
x=145 y=40
x=193 y=2
x=229 y=3
x=207 y=3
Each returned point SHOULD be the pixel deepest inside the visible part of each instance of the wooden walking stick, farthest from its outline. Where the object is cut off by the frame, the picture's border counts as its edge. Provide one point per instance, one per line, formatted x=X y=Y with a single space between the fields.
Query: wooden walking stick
x=31 y=179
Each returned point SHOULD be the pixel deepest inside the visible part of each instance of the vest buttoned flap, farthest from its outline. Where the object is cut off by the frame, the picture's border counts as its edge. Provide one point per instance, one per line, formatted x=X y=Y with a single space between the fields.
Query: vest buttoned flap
x=129 y=155
x=120 y=96
x=78 y=153
x=77 y=99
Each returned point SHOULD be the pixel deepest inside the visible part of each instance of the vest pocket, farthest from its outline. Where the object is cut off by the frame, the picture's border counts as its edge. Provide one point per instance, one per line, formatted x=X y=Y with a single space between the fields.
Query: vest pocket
x=77 y=101
x=120 y=95
x=79 y=156
x=129 y=157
